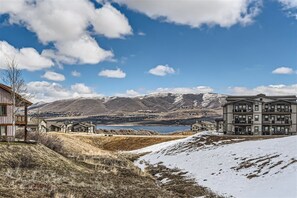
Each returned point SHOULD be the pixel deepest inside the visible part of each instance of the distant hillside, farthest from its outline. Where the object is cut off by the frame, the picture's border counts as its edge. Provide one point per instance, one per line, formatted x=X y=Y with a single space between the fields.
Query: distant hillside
x=155 y=103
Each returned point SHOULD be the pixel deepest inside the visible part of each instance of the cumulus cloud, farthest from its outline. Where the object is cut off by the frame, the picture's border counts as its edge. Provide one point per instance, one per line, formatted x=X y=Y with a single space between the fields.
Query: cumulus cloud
x=129 y=93
x=50 y=75
x=283 y=70
x=75 y=73
x=84 y=50
x=162 y=70
x=48 y=92
x=69 y=25
x=268 y=90
x=196 y=13
x=118 y=73
x=109 y=22
x=183 y=90
x=26 y=58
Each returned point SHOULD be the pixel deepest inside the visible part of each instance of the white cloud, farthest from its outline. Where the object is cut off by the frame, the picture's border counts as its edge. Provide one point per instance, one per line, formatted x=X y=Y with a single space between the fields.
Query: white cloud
x=283 y=70
x=198 y=12
x=288 y=4
x=118 y=73
x=69 y=26
x=174 y=90
x=110 y=22
x=84 y=50
x=75 y=73
x=48 y=92
x=141 y=33
x=129 y=93
x=81 y=88
x=268 y=90
x=290 y=7
x=26 y=58
x=183 y=90
x=50 y=75
x=162 y=70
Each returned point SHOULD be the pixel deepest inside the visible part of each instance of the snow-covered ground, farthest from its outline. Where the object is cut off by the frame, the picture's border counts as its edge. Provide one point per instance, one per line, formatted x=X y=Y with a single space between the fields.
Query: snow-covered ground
x=260 y=168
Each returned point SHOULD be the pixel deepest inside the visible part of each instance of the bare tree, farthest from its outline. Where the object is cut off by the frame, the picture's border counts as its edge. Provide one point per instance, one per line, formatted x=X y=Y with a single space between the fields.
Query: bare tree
x=12 y=76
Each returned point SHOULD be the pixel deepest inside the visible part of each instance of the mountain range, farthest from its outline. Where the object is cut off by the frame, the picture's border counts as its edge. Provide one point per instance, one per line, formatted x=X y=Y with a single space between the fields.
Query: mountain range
x=154 y=103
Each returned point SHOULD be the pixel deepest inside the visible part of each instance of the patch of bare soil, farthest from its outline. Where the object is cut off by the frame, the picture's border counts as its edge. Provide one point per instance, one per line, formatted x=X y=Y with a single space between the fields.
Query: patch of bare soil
x=176 y=181
x=261 y=165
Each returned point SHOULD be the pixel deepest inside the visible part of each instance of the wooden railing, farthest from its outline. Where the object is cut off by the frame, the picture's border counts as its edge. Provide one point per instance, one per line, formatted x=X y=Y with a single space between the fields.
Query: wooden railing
x=20 y=120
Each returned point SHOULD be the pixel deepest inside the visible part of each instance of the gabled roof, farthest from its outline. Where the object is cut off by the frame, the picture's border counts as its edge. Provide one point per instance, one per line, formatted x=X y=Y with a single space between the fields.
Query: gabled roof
x=289 y=98
x=8 y=89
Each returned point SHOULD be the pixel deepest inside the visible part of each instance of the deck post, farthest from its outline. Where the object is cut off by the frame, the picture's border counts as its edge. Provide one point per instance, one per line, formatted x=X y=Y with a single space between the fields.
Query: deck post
x=26 y=122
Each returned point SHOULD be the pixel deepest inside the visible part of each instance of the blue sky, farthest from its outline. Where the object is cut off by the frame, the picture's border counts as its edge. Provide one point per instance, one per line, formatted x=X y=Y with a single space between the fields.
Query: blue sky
x=149 y=48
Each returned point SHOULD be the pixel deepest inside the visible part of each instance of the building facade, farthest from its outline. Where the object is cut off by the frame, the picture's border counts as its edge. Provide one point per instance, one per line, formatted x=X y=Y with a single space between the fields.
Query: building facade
x=7 y=133
x=260 y=115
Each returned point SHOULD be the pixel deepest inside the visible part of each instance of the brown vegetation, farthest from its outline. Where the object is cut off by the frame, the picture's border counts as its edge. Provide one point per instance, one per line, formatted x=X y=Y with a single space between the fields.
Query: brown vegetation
x=116 y=143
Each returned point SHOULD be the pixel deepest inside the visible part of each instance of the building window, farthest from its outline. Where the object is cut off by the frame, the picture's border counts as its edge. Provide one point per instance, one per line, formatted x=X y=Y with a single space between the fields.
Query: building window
x=3 y=110
x=266 y=118
x=256 y=107
x=256 y=118
x=3 y=131
x=256 y=129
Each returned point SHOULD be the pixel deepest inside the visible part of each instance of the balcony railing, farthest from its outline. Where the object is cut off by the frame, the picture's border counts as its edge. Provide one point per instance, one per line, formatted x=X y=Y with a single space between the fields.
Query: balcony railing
x=242 y=122
x=267 y=110
x=242 y=111
x=20 y=120
x=288 y=122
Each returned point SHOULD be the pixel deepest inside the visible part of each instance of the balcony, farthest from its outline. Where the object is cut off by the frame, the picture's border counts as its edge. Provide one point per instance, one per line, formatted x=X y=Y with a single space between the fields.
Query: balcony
x=20 y=120
x=277 y=111
x=242 y=111
x=242 y=122
x=280 y=122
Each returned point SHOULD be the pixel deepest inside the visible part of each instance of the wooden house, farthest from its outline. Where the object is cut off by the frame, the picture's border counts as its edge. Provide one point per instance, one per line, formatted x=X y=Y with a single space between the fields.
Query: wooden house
x=7 y=132
x=83 y=127
x=36 y=125
x=55 y=127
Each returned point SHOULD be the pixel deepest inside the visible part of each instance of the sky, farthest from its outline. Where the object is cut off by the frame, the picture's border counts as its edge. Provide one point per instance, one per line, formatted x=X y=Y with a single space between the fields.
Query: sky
x=94 y=48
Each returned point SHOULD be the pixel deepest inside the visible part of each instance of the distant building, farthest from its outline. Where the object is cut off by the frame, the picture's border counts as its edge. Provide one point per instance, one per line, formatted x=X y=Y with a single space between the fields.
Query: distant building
x=83 y=127
x=6 y=113
x=54 y=127
x=260 y=115
x=203 y=126
x=36 y=124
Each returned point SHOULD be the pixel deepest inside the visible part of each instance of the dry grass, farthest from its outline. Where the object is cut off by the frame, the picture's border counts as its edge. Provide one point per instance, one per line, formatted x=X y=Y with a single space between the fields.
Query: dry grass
x=56 y=176
x=113 y=143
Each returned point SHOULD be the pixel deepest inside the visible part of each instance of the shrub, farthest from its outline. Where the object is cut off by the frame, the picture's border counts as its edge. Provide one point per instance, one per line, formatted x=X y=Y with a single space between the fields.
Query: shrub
x=47 y=140
x=25 y=160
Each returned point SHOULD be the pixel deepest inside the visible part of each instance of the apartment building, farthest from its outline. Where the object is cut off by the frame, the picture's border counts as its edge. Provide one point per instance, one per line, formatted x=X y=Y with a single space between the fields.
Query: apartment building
x=260 y=115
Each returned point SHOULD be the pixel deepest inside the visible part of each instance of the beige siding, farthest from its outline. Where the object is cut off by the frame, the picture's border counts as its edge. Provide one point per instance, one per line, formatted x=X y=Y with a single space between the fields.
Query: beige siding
x=5 y=97
x=7 y=119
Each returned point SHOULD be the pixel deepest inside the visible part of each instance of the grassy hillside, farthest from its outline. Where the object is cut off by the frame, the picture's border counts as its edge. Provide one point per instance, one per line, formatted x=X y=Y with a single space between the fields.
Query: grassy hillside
x=28 y=170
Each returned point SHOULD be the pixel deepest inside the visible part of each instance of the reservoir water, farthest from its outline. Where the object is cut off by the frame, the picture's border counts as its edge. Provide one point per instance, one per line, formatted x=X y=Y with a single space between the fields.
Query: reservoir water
x=159 y=129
